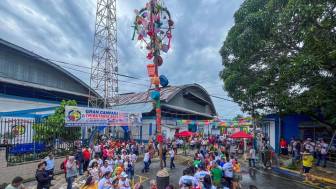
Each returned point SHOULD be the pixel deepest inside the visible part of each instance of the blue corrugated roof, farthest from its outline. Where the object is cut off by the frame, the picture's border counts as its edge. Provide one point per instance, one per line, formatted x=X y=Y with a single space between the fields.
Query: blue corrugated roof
x=135 y=108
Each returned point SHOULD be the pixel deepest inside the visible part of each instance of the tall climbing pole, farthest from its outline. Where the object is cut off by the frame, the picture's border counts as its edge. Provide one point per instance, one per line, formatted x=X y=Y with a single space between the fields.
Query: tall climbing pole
x=153 y=27
x=104 y=66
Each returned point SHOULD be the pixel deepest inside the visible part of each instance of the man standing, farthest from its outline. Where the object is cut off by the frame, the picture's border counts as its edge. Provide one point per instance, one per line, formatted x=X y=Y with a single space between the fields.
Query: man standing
x=252 y=157
x=172 y=156
x=164 y=154
x=322 y=154
x=86 y=158
x=50 y=165
x=146 y=162
x=80 y=160
x=42 y=177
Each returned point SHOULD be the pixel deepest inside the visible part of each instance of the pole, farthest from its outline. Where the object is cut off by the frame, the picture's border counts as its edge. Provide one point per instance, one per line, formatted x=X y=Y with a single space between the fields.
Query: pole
x=157 y=86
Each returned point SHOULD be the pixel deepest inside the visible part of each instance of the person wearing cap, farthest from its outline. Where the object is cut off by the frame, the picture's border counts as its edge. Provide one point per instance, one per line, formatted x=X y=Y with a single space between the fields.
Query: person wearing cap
x=124 y=181
x=16 y=184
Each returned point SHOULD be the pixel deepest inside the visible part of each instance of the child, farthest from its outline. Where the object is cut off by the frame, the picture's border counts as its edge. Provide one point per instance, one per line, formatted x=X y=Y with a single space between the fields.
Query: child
x=307 y=162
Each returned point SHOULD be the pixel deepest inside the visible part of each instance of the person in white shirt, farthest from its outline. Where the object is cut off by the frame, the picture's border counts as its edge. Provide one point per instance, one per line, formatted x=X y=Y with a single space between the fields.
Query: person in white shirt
x=96 y=159
x=105 y=168
x=187 y=181
x=322 y=155
x=134 y=158
x=172 y=156
x=252 y=157
x=146 y=162
x=228 y=172
x=124 y=181
x=200 y=174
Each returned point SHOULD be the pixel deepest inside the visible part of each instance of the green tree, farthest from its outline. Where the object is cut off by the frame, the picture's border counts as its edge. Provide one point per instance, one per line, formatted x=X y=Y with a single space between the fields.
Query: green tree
x=53 y=126
x=280 y=56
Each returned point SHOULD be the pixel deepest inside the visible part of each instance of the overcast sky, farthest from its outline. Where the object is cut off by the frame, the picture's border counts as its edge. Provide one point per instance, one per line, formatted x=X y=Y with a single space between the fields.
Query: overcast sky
x=64 y=29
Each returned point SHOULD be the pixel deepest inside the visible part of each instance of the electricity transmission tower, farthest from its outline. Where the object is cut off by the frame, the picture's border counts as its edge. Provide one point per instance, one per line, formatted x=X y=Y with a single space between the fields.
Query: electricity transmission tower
x=104 y=66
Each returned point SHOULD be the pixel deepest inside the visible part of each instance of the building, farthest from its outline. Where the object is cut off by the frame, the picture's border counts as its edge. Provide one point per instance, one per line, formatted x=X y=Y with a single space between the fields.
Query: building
x=290 y=126
x=186 y=102
x=32 y=86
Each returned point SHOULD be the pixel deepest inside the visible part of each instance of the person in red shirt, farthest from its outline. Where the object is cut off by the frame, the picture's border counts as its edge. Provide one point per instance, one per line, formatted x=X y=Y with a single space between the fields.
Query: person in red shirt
x=63 y=165
x=283 y=147
x=87 y=157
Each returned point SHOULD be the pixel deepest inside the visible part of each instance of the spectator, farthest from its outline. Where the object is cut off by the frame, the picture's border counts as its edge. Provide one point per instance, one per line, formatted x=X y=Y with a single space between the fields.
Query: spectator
x=217 y=174
x=71 y=171
x=16 y=184
x=322 y=155
x=90 y=183
x=228 y=173
x=105 y=168
x=146 y=162
x=94 y=171
x=50 y=165
x=42 y=176
x=172 y=156
x=124 y=181
x=80 y=160
x=283 y=146
x=86 y=158
x=96 y=159
x=307 y=162
x=252 y=157
x=187 y=181
x=106 y=182
x=207 y=183
x=164 y=155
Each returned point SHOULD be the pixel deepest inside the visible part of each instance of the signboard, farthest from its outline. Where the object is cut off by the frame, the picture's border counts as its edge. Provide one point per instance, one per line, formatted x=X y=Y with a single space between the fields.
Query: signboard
x=83 y=117
x=16 y=130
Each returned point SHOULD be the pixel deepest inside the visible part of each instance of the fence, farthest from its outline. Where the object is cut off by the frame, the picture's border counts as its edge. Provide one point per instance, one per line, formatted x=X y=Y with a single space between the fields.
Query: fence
x=27 y=139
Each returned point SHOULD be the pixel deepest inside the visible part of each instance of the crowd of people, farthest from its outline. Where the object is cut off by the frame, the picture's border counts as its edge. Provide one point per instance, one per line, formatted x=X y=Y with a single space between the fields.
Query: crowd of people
x=110 y=164
x=308 y=152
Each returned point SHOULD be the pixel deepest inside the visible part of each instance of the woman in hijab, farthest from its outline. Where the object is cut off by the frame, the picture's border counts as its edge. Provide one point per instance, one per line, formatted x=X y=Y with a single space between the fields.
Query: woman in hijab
x=71 y=171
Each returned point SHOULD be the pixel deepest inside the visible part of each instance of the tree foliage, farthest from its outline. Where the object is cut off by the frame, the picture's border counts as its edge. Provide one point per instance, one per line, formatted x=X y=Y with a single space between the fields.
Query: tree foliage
x=280 y=56
x=53 y=127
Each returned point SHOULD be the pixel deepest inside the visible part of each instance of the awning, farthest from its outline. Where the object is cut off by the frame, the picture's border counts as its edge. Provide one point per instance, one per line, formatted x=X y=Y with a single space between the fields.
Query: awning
x=241 y=134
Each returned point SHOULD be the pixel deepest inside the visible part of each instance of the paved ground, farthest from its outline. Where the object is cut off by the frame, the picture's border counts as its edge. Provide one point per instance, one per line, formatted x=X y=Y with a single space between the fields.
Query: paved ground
x=25 y=170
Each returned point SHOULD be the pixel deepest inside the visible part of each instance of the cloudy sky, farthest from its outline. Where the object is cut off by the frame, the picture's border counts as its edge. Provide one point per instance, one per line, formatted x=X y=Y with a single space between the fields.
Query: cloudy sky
x=63 y=30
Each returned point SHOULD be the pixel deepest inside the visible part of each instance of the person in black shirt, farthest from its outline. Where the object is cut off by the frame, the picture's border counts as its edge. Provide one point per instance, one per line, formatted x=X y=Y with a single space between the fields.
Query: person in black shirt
x=42 y=176
x=164 y=154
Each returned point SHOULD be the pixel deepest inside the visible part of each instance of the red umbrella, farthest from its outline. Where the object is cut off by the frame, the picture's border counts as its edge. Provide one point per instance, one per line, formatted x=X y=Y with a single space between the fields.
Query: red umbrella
x=241 y=134
x=184 y=134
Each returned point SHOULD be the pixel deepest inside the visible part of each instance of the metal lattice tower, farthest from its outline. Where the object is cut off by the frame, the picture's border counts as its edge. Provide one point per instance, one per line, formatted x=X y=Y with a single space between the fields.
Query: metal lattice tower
x=104 y=67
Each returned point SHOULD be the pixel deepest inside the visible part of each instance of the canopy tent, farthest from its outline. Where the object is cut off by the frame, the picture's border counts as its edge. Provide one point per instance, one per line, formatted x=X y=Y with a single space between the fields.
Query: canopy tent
x=185 y=134
x=241 y=134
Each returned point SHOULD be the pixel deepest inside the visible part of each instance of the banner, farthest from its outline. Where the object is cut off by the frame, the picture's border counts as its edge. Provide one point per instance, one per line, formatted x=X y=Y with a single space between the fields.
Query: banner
x=83 y=117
